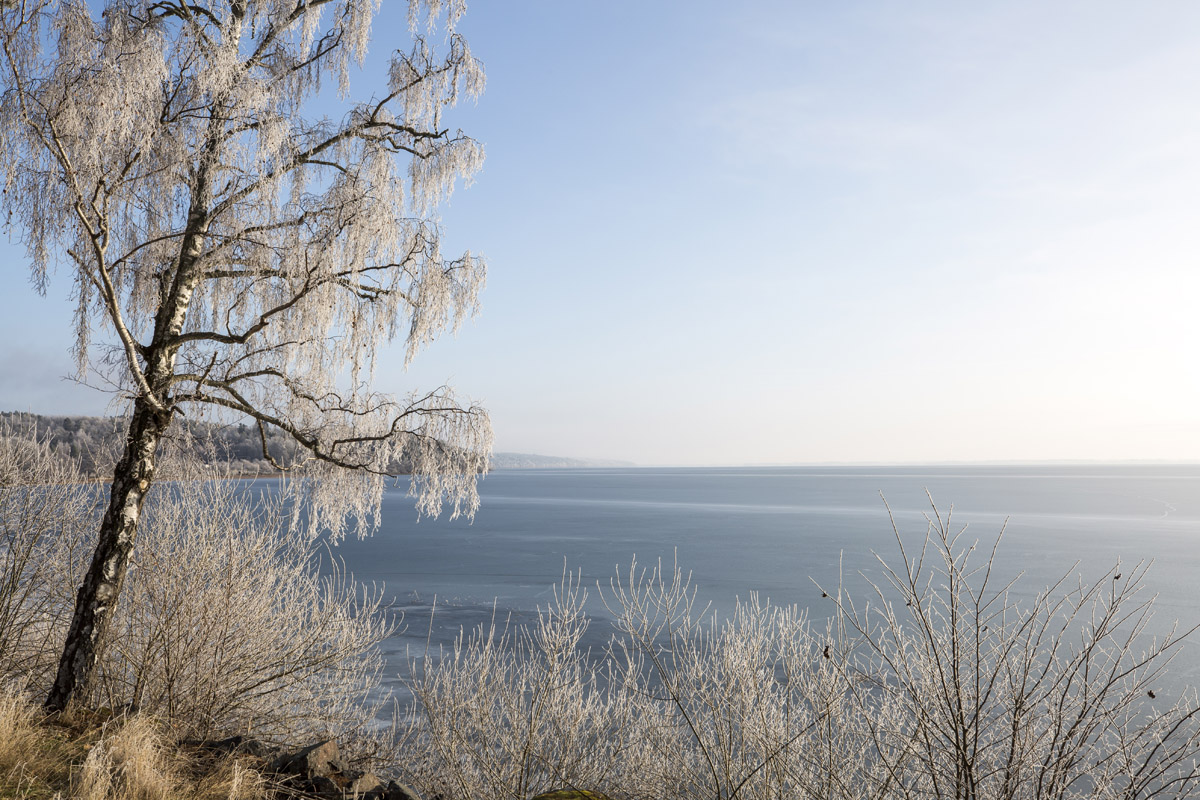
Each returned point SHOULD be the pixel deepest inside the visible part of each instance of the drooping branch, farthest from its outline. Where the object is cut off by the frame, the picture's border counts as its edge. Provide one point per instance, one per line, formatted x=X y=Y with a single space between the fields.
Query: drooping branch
x=328 y=451
x=189 y=12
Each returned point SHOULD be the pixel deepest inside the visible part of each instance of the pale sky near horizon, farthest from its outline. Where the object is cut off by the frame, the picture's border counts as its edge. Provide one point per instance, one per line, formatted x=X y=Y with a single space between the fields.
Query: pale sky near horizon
x=785 y=232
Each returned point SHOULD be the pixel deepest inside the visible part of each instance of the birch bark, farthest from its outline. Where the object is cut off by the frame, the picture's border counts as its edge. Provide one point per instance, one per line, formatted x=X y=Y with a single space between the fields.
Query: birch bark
x=134 y=472
x=101 y=587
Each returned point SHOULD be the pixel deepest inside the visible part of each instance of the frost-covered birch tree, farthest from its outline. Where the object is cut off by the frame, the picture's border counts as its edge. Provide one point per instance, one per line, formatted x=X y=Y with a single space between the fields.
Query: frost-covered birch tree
x=236 y=251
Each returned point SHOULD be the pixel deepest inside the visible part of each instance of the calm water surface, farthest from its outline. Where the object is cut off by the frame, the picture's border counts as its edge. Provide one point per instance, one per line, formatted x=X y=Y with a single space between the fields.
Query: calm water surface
x=774 y=531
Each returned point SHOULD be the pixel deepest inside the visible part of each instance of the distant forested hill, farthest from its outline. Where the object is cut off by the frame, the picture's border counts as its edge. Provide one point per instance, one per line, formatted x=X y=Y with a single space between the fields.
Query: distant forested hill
x=97 y=443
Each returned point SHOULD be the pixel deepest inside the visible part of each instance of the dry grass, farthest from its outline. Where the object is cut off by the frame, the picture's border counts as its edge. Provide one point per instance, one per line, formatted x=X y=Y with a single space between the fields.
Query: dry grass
x=20 y=734
x=21 y=744
x=93 y=758
x=129 y=764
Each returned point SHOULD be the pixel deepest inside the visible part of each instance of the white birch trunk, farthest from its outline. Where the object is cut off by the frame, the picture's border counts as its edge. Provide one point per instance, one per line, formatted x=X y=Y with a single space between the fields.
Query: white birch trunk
x=101 y=588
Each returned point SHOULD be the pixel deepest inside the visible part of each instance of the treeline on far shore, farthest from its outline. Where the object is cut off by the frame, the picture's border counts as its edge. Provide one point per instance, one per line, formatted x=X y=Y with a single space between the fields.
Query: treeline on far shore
x=95 y=443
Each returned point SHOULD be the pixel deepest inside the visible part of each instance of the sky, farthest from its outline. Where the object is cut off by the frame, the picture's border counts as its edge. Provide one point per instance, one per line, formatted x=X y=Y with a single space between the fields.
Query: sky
x=805 y=232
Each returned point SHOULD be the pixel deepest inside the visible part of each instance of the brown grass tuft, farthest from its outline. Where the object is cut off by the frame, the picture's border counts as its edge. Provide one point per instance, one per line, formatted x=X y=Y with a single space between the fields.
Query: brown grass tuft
x=94 y=756
x=20 y=732
x=129 y=763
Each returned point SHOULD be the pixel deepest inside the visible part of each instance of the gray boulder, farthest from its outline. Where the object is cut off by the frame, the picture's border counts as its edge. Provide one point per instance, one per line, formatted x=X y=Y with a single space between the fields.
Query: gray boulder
x=321 y=760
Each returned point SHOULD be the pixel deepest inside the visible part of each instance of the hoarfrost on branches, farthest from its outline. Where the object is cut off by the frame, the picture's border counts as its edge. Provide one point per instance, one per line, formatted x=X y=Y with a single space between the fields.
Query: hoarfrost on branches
x=243 y=256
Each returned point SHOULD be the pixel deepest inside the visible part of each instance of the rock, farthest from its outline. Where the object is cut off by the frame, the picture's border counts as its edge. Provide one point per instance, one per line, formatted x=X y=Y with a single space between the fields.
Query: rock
x=571 y=794
x=319 y=771
x=324 y=787
x=365 y=783
x=321 y=760
x=398 y=791
x=237 y=745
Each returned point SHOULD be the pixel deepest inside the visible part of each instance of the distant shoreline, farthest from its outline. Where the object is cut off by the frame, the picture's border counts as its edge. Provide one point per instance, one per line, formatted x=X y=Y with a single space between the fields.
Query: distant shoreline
x=507 y=461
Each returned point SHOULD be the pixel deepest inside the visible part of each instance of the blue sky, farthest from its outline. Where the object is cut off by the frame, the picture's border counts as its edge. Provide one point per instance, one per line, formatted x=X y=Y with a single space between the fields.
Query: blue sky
x=806 y=232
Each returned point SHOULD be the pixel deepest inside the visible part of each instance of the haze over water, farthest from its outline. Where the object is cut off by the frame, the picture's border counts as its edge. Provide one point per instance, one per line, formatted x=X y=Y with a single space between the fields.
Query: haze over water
x=769 y=530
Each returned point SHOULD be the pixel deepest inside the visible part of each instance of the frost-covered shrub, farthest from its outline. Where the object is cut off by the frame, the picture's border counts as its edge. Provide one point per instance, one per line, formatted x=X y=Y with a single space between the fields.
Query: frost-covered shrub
x=228 y=621
x=944 y=686
x=46 y=513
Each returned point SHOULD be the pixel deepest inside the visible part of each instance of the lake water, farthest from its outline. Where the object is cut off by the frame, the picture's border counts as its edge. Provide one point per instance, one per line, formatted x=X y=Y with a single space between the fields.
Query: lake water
x=775 y=530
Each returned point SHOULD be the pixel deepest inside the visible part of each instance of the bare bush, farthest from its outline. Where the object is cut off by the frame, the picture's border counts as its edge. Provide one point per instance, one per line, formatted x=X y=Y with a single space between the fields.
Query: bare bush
x=992 y=698
x=229 y=624
x=748 y=704
x=509 y=713
x=233 y=619
x=46 y=514
x=943 y=686
x=679 y=705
